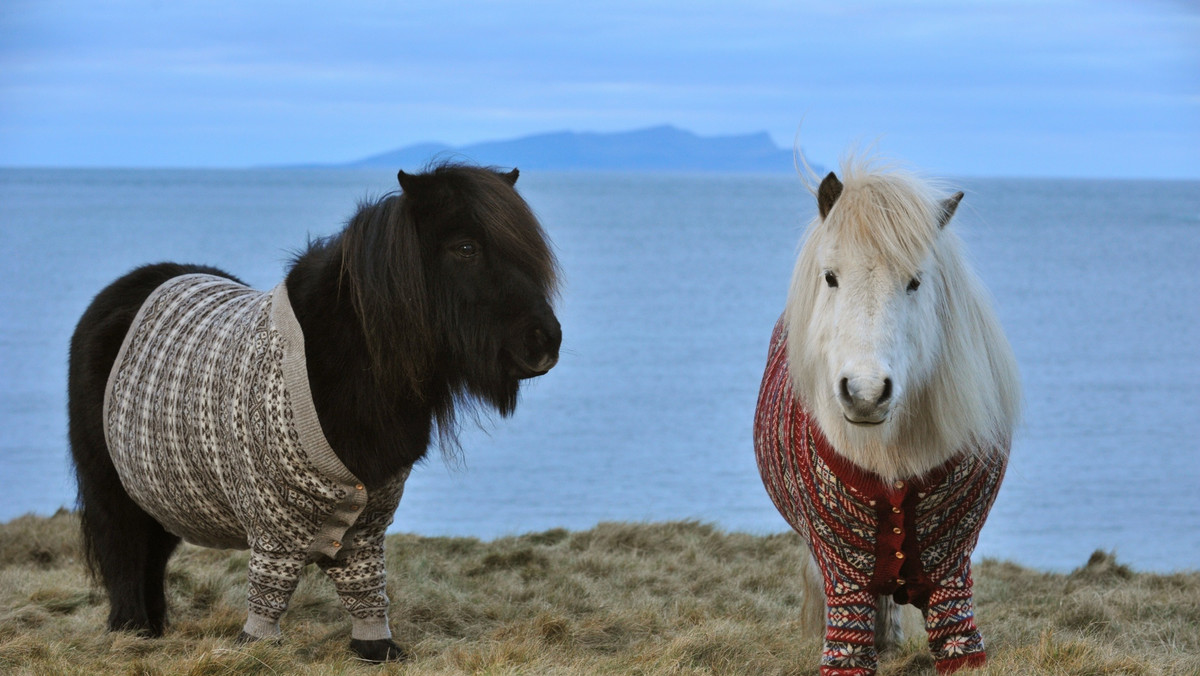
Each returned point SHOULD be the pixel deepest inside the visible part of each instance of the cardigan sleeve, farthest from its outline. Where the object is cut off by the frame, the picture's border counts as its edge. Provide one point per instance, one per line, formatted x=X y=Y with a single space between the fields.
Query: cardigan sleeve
x=360 y=576
x=359 y=572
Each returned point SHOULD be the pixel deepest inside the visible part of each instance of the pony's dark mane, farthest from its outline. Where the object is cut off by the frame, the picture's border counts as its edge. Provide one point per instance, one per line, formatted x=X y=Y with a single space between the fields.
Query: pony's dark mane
x=388 y=292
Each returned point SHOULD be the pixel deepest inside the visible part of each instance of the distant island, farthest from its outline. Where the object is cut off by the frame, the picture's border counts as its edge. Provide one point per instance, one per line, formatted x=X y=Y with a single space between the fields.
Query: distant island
x=661 y=148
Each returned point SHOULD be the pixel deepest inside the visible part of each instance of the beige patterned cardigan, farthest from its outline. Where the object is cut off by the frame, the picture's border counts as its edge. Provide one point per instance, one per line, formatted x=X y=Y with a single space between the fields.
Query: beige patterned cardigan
x=211 y=425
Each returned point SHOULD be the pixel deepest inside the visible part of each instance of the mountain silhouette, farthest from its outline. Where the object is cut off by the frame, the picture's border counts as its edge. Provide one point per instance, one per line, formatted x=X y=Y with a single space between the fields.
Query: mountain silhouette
x=662 y=148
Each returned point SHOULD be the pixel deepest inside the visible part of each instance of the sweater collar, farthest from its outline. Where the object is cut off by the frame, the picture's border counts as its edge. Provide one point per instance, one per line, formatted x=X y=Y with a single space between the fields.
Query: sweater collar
x=866 y=482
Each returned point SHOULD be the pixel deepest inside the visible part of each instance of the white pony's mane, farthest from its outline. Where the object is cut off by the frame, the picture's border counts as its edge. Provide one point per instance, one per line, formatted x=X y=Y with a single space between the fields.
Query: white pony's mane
x=972 y=401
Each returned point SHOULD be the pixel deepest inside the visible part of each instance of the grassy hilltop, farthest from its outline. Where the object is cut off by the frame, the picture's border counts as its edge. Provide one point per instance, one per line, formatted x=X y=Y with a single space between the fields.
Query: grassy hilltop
x=665 y=598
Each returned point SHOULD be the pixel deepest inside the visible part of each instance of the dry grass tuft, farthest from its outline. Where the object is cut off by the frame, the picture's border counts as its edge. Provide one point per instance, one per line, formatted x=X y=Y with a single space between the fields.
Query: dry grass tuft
x=661 y=598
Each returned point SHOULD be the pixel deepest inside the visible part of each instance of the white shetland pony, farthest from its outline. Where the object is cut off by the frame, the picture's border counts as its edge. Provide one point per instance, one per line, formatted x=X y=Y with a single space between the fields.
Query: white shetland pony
x=886 y=413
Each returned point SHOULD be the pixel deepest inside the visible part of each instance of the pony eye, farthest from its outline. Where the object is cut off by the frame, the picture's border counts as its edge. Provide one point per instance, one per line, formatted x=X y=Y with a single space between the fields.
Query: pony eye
x=466 y=249
x=913 y=284
x=831 y=279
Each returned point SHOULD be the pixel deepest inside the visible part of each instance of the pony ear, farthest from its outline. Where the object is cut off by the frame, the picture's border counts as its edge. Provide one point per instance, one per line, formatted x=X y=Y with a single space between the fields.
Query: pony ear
x=949 y=206
x=408 y=182
x=511 y=177
x=828 y=193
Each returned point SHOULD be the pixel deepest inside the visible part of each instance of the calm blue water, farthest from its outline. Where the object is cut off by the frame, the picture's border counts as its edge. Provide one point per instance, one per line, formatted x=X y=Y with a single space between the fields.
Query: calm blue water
x=673 y=285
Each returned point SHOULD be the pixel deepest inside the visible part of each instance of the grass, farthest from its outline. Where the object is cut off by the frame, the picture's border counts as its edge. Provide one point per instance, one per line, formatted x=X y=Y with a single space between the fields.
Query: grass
x=660 y=598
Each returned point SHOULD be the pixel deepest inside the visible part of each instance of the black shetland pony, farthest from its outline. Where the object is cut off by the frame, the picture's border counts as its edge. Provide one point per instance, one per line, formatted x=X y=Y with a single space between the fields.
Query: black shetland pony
x=431 y=299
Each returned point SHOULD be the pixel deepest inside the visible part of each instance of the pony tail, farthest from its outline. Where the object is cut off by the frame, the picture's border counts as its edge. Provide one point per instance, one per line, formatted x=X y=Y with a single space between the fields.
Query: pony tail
x=389 y=295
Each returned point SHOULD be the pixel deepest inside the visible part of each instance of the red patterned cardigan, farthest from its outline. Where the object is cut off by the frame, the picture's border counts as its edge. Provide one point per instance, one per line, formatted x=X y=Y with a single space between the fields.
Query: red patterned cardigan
x=911 y=540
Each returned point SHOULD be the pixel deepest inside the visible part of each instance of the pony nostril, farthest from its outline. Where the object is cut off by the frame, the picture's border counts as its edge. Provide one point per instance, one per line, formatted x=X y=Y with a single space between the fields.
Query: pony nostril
x=540 y=351
x=865 y=394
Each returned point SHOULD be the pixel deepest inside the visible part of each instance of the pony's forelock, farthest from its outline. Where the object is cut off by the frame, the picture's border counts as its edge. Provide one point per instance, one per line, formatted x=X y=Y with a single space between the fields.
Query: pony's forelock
x=888 y=211
x=509 y=221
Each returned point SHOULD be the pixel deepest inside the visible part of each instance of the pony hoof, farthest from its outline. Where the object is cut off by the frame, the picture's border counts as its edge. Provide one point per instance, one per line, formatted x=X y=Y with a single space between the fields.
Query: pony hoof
x=381 y=650
x=244 y=638
x=139 y=629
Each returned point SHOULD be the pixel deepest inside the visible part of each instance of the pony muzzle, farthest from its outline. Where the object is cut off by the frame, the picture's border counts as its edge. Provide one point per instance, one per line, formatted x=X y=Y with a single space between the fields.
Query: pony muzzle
x=865 y=400
x=537 y=351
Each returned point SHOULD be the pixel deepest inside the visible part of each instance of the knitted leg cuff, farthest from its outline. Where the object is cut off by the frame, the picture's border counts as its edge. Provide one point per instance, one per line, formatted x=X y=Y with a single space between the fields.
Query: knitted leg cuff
x=261 y=627
x=949 y=666
x=855 y=671
x=370 y=629
x=848 y=659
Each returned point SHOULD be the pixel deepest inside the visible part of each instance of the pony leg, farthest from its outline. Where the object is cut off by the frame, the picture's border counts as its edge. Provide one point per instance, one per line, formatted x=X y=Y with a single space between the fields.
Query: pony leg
x=813 y=605
x=125 y=545
x=273 y=579
x=359 y=575
x=131 y=550
x=159 y=549
x=850 y=636
x=889 y=633
x=954 y=639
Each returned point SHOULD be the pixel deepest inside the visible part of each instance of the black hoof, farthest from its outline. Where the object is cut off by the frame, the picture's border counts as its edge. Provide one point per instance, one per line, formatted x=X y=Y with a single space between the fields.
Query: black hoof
x=382 y=650
x=142 y=628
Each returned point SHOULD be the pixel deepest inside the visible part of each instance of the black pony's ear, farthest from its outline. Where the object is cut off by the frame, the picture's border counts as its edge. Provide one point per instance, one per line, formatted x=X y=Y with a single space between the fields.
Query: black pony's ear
x=408 y=182
x=511 y=177
x=828 y=193
x=949 y=206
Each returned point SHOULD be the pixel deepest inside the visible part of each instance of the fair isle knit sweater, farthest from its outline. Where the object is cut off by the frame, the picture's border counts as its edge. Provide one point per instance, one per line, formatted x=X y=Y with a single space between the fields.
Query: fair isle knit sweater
x=911 y=539
x=210 y=422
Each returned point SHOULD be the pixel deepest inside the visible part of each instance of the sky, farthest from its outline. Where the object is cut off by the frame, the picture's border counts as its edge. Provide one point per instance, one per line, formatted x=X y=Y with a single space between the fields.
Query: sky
x=1055 y=88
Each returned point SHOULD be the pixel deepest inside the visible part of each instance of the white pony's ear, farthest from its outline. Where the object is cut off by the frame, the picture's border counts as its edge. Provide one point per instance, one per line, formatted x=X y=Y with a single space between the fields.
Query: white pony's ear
x=949 y=206
x=828 y=193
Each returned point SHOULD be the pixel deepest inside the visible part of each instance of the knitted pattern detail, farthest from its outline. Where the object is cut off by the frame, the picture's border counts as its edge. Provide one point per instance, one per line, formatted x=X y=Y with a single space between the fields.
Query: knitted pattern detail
x=211 y=426
x=911 y=539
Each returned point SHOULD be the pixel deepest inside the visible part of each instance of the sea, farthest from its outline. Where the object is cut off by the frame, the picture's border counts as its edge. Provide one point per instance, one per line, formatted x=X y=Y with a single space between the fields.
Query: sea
x=672 y=285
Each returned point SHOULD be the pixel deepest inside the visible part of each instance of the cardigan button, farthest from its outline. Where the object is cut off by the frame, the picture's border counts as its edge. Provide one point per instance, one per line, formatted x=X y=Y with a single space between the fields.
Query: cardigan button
x=337 y=544
x=358 y=487
x=872 y=503
x=899 y=485
x=897 y=530
x=899 y=555
x=900 y=581
x=895 y=510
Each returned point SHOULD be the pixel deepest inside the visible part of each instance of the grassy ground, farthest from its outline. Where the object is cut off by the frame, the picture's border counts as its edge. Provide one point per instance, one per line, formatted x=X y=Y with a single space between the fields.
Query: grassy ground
x=667 y=598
